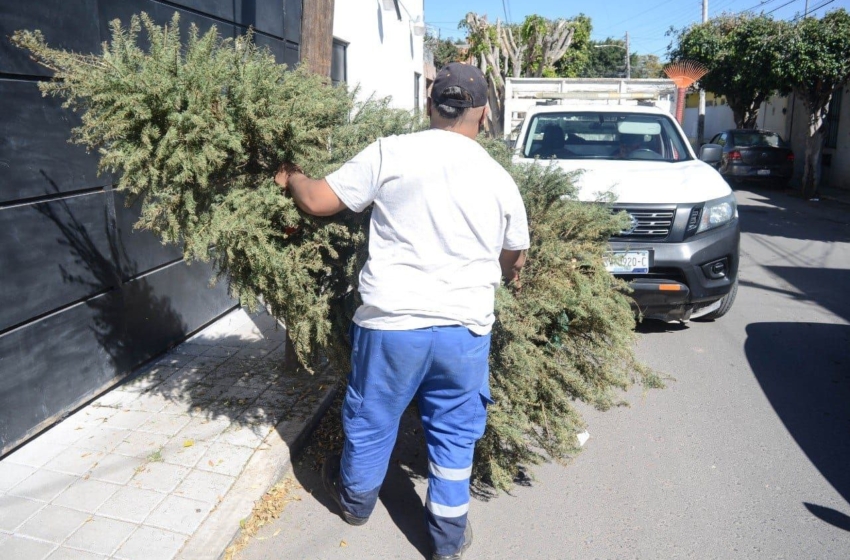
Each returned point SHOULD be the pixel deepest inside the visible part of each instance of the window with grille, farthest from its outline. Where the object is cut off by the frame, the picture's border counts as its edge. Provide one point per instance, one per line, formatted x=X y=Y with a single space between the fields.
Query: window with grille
x=339 y=62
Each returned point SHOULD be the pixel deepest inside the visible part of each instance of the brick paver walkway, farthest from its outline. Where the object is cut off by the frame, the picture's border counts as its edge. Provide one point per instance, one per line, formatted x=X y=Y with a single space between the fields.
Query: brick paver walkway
x=166 y=465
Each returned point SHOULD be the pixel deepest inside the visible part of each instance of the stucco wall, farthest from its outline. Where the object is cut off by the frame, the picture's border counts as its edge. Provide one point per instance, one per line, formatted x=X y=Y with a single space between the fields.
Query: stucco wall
x=383 y=52
x=719 y=118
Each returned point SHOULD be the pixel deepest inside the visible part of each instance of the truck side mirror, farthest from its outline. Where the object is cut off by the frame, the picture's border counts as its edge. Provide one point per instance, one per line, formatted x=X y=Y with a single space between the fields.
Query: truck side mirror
x=711 y=153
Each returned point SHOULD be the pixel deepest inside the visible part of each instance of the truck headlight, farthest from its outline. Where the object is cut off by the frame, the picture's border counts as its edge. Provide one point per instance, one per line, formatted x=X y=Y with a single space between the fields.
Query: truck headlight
x=718 y=212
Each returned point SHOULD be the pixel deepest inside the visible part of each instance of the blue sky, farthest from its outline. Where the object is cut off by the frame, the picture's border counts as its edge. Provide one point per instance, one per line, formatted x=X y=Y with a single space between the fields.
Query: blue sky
x=645 y=20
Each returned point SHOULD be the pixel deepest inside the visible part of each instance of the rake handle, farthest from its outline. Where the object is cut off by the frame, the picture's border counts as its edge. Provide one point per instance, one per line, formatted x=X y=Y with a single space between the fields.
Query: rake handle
x=680 y=105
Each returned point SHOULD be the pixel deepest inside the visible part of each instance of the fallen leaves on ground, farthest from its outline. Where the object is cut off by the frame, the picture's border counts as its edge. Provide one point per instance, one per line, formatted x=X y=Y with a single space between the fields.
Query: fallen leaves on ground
x=327 y=437
x=266 y=509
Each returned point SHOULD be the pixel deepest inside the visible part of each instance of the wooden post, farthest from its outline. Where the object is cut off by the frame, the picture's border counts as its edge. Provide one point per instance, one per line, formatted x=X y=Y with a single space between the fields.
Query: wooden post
x=317 y=32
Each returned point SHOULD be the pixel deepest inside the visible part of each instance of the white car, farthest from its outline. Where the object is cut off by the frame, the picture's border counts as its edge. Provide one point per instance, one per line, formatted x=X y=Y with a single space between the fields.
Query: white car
x=680 y=253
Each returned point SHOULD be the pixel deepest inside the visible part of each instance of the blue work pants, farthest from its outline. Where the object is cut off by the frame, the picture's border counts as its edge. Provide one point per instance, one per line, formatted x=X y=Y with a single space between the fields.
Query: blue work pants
x=446 y=369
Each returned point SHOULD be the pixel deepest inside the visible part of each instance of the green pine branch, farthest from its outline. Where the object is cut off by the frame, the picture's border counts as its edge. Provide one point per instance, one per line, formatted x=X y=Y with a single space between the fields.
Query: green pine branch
x=194 y=133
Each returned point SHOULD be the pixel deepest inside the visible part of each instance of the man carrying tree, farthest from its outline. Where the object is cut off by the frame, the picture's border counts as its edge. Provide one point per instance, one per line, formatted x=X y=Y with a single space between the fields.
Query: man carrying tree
x=447 y=223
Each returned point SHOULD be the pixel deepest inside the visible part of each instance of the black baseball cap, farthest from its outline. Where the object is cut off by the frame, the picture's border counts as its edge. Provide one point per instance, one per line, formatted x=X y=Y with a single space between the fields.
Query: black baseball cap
x=465 y=76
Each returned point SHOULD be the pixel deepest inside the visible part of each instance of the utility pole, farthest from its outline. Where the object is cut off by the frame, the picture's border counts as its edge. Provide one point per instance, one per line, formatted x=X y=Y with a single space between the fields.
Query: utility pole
x=317 y=22
x=628 y=59
x=701 y=115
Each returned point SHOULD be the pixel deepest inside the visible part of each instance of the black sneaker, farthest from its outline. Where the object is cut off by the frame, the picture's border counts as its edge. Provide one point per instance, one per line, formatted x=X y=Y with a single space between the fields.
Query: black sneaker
x=330 y=478
x=467 y=542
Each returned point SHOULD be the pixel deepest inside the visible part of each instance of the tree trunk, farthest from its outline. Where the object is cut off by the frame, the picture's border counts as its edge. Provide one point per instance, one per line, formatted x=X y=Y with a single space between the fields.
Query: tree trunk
x=490 y=63
x=750 y=119
x=737 y=116
x=495 y=99
x=745 y=114
x=291 y=364
x=817 y=106
x=814 y=146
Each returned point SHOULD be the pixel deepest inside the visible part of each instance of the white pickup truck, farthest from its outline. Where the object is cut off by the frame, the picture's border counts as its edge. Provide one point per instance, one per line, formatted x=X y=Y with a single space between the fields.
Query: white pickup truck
x=681 y=251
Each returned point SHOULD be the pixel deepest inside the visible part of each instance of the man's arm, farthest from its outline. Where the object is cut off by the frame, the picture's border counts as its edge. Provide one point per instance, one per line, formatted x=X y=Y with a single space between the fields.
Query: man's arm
x=511 y=262
x=313 y=196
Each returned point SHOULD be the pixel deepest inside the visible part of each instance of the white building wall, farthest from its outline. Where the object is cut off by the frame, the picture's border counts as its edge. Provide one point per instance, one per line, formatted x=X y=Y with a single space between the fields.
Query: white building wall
x=383 y=53
x=772 y=116
x=717 y=119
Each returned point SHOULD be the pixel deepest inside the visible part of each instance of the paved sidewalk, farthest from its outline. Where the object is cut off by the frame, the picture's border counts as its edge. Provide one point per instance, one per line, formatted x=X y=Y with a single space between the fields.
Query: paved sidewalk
x=166 y=465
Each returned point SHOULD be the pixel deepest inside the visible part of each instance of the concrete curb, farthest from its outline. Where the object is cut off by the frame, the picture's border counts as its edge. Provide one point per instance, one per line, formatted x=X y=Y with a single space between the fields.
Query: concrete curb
x=265 y=468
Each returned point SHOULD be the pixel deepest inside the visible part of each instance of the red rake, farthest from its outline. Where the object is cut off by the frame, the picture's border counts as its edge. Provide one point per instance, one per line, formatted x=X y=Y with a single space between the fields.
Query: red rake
x=684 y=74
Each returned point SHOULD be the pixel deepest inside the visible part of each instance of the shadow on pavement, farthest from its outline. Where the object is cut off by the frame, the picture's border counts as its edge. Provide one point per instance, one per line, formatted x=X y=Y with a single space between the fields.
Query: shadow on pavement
x=654 y=326
x=831 y=516
x=779 y=214
x=804 y=371
x=826 y=287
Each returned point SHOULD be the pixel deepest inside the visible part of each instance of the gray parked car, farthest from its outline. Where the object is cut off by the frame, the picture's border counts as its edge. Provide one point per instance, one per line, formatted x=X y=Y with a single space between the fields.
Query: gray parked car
x=754 y=155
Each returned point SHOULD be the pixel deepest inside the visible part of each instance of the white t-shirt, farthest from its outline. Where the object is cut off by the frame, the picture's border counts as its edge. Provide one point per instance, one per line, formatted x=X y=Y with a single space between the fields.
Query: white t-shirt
x=444 y=210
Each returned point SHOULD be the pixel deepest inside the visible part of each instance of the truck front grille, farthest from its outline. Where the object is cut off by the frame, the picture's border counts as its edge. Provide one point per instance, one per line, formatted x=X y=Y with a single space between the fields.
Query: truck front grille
x=647 y=223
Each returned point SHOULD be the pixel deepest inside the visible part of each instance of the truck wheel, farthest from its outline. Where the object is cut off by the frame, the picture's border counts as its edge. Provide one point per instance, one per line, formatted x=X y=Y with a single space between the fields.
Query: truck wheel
x=725 y=304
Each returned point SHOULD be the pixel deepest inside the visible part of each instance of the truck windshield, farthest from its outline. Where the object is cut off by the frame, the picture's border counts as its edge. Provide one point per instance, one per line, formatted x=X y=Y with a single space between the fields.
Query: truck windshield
x=603 y=135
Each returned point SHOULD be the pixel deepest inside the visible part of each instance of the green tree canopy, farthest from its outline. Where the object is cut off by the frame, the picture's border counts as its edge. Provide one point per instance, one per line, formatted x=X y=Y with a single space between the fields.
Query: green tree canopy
x=647 y=66
x=444 y=50
x=816 y=62
x=607 y=59
x=604 y=59
x=572 y=64
x=743 y=55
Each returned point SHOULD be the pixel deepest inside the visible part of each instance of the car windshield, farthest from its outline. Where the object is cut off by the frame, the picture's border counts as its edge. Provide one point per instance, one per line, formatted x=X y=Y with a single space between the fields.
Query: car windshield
x=758 y=140
x=604 y=135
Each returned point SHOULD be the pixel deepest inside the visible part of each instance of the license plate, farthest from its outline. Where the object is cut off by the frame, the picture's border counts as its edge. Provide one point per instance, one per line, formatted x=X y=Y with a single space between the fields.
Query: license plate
x=763 y=172
x=627 y=262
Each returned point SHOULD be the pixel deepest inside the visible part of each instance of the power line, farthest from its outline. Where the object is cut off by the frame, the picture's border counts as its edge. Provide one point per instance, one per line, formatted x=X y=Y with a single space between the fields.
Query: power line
x=717 y=7
x=642 y=12
x=759 y=5
x=651 y=26
x=505 y=9
x=814 y=9
x=780 y=7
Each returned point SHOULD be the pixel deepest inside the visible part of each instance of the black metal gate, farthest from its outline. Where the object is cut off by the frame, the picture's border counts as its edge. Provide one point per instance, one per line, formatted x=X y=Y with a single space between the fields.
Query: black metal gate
x=84 y=300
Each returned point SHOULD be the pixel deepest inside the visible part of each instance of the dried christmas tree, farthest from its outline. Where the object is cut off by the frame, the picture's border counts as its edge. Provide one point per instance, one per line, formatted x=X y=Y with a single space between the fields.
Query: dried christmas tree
x=195 y=131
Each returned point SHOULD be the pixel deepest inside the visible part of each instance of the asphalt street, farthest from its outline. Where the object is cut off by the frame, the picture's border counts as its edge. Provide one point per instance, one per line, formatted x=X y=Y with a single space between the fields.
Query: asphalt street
x=745 y=454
